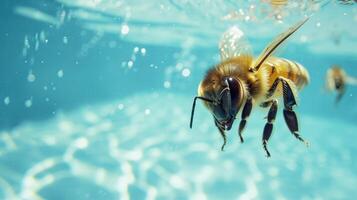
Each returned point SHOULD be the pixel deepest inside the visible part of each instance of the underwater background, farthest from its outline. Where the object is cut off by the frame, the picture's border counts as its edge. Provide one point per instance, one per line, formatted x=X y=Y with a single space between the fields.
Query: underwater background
x=96 y=96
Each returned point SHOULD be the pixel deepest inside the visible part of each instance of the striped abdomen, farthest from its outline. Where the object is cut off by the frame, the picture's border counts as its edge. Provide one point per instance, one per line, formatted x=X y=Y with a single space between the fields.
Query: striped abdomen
x=288 y=69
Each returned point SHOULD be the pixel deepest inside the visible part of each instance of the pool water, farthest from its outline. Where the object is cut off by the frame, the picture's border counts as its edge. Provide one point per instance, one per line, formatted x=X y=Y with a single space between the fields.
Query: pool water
x=96 y=96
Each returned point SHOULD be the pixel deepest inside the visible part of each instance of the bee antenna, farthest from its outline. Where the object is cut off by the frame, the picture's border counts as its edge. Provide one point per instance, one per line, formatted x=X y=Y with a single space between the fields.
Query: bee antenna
x=194 y=106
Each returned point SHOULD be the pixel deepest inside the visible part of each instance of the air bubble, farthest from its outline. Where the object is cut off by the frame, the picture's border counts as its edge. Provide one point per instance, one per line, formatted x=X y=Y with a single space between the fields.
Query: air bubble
x=167 y=84
x=186 y=72
x=31 y=77
x=65 y=40
x=82 y=143
x=143 y=51
x=7 y=100
x=121 y=106
x=130 y=64
x=28 y=103
x=43 y=36
x=60 y=73
x=26 y=42
x=125 y=29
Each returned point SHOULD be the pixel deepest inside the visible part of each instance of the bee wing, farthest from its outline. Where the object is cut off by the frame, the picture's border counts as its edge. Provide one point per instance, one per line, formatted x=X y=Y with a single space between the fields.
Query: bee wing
x=275 y=44
x=233 y=43
x=351 y=80
x=329 y=80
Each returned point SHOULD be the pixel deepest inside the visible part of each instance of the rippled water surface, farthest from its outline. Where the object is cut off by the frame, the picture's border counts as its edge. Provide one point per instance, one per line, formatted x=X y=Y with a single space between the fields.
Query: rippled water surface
x=96 y=96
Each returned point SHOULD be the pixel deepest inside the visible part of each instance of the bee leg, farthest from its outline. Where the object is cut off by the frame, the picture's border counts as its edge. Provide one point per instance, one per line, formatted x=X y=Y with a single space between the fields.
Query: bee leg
x=271 y=91
x=221 y=131
x=268 y=128
x=245 y=114
x=289 y=114
x=224 y=138
x=339 y=96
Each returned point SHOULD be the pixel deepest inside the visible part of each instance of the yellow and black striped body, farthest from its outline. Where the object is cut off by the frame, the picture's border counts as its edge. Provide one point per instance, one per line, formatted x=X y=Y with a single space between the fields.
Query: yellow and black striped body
x=280 y=67
x=234 y=84
x=239 y=82
x=253 y=84
x=287 y=69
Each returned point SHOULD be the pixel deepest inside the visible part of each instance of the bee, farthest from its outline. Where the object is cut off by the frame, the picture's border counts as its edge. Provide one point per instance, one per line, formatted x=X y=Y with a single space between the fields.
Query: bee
x=341 y=2
x=277 y=9
x=337 y=79
x=346 y=2
x=240 y=81
x=278 y=2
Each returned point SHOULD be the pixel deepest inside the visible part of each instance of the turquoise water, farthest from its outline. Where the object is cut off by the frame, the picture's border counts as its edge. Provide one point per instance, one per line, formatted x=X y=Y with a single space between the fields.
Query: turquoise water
x=95 y=102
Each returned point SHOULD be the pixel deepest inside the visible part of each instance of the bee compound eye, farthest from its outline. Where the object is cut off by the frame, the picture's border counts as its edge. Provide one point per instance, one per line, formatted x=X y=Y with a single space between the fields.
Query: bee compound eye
x=235 y=91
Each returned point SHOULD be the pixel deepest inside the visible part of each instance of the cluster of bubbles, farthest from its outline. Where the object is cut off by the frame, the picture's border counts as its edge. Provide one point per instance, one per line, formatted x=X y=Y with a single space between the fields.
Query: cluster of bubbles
x=137 y=51
x=180 y=70
x=32 y=44
x=36 y=40
x=184 y=64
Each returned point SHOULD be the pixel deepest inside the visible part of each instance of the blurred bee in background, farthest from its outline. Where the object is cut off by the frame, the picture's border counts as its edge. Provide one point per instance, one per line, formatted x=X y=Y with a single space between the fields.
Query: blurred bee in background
x=346 y=2
x=278 y=2
x=278 y=8
x=336 y=80
x=341 y=2
x=240 y=81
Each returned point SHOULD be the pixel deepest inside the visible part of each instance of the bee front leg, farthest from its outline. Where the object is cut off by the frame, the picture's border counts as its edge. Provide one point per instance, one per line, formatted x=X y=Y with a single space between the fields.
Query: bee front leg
x=340 y=93
x=289 y=114
x=245 y=114
x=268 y=128
x=221 y=131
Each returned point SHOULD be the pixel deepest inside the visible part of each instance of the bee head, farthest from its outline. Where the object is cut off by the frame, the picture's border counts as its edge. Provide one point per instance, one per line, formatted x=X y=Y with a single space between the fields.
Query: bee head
x=224 y=103
x=228 y=102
